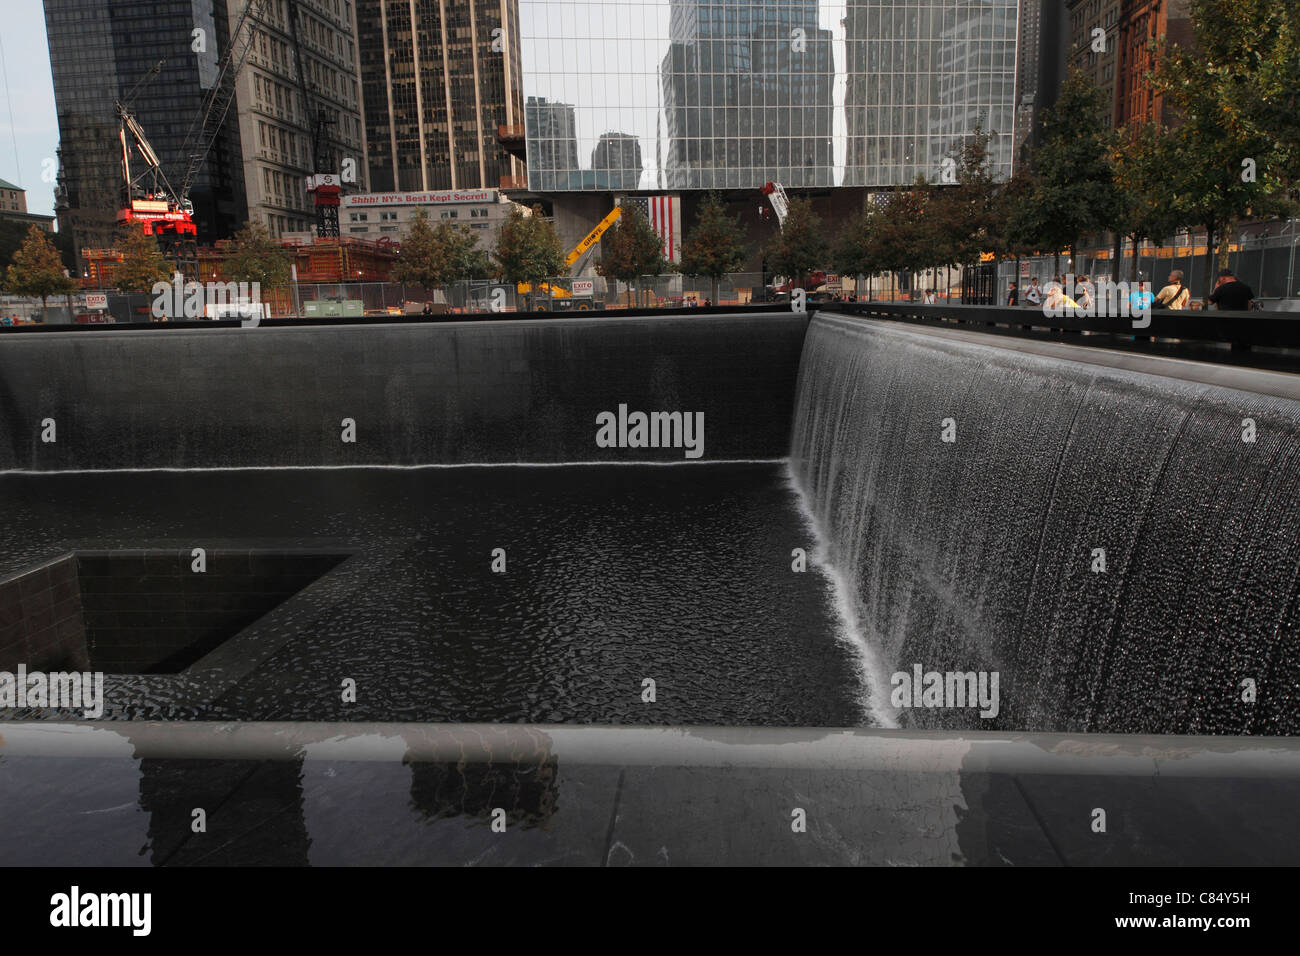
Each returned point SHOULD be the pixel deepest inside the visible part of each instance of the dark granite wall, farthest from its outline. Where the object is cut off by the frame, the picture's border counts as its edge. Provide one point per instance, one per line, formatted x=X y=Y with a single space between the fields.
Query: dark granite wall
x=41 y=620
x=493 y=392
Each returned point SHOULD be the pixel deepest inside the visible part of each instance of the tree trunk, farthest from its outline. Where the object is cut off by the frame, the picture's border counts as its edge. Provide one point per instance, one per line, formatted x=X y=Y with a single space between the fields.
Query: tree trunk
x=43 y=315
x=714 y=299
x=1133 y=265
x=1209 y=261
x=1118 y=251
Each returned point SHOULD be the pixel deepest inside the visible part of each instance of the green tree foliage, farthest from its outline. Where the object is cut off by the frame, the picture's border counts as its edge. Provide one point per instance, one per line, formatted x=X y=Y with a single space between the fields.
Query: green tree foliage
x=631 y=249
x=1247 y=53
x=1075 y=191
x=527 y=249
x=965 y=217
x=1148 y=210
x=801 y=246
x=715 y=246
x=860 y=249
x=433 y=256
x=37 y=269
x=256 y=257
x=142 y=265
x=909 y=239
x=1231 y=155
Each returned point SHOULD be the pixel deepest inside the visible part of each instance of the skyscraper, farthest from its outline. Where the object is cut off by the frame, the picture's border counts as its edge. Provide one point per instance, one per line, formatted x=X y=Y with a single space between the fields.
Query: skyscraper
x=922 y=75
x=138 y=52
x=553 y=153
x=618 y=155
x=162 y=60
x=298 y=103
x=438 y=78
x=747 y=93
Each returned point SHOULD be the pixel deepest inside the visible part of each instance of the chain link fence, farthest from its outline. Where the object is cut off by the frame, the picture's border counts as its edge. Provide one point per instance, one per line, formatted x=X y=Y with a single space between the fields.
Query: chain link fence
x=1265 y=257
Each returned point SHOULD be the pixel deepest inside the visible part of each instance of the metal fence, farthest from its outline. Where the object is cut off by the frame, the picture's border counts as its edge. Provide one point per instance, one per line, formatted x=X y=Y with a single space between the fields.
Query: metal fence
x=1264 y=257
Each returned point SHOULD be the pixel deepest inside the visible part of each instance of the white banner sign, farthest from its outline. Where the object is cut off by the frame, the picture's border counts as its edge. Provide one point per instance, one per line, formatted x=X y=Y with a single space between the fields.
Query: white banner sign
x=421 y=199
x=96 y=300
x=584 y=286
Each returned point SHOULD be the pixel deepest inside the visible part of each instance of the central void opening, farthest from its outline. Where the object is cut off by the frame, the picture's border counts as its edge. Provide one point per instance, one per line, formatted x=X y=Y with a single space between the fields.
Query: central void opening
x=151 y=613
x=146 y=612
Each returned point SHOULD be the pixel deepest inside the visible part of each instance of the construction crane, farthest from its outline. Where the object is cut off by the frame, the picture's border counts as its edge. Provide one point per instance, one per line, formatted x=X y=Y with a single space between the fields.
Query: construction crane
x=587 y=243
x=775 y=194
x=324 y=184
x=212 y=114
x=148 y=199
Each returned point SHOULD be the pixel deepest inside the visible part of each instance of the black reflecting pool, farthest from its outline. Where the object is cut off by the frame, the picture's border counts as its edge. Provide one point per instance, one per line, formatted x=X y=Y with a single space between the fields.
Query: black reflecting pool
x=503 y=594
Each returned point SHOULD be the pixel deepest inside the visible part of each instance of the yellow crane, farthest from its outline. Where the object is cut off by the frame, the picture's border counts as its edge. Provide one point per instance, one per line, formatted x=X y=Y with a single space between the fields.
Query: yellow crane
x=576 y=253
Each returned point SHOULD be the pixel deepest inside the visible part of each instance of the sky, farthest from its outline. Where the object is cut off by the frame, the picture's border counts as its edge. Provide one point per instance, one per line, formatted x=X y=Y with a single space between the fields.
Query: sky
x=28 y=124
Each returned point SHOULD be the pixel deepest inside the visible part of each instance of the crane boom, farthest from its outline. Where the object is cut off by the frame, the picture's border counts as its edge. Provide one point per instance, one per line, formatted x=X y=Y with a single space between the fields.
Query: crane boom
x=775 y=193
x=592 y=237
x=576 y=253
x=207 y=124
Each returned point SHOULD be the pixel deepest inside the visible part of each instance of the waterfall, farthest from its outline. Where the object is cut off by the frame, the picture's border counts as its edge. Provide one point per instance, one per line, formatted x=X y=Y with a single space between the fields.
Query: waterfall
x=1121 y=547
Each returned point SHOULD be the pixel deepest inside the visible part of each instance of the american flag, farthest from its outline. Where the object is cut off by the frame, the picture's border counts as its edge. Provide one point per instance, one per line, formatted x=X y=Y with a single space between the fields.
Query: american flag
x=665 y=215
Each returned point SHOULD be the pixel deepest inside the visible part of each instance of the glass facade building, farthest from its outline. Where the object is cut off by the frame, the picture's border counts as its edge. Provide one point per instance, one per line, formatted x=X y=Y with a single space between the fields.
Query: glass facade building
x=105 y=50
x=731 y=94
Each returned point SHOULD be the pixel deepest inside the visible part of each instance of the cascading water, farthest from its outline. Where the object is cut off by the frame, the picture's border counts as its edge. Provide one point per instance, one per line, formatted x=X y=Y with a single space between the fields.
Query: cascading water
x=1123 y=548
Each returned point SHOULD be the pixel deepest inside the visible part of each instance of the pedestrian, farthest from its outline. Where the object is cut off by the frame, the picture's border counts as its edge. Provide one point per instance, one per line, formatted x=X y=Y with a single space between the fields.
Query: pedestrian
x=428 y=308
x=1056 y=298
x=1231 y=294
x=1175 y=295
x=928 y=298
x=1139 y=300
x=1013 y=295
x=708 y=303
x=1083 y=292
x=1034 y=294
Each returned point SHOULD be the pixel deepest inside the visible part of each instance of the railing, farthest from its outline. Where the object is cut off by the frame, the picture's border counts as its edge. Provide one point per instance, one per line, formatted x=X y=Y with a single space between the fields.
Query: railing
x=1237 y=332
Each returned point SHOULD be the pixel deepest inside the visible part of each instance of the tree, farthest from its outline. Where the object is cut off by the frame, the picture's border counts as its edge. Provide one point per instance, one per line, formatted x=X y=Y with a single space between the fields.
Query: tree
x=37 y=269
x=860 y=249
x=434 y=256
x=908 y=240
x=715 y=246
x=1075 y=192
x=801 y=245
x=1222 y=163
x=256 y=257
x=631 y=249
x=964 y=214
x=527 y=249
x=142 y=265
x=1147 y=202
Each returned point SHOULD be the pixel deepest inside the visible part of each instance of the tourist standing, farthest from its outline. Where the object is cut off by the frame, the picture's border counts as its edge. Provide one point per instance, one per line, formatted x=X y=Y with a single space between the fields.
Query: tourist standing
x=1034 y=294
x=1013 y=295
x=1231 y=294
x=1175 y=295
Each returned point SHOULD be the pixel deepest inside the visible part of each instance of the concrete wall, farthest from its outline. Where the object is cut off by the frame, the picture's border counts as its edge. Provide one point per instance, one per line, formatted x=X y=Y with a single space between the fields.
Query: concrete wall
x=981 y=554
x=513 y=391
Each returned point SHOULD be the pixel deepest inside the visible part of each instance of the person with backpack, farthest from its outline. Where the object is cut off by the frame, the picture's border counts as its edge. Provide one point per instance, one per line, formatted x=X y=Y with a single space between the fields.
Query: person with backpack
x=1175 y=295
